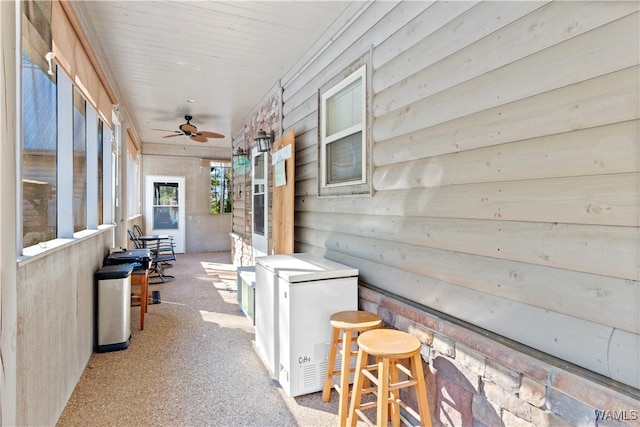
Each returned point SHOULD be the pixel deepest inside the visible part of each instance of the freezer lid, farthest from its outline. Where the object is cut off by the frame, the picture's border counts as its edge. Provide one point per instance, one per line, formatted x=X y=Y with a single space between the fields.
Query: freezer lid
x=304 y=267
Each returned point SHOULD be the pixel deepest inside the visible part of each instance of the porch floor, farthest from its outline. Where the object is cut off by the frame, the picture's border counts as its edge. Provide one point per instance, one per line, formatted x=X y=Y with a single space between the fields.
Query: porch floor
x=195 y=363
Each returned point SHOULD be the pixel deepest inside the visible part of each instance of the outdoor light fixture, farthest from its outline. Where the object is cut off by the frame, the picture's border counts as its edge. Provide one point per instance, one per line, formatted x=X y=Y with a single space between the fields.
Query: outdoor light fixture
x=263 y=141
x=241 y=163
x=240 y=152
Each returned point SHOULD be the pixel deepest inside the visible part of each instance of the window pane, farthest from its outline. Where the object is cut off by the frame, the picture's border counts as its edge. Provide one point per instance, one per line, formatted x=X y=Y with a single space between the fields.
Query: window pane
x=165 y=209
x=344 y=109
x=100 y=171
x=39 y=121
x=79 y=162
x=258 y=167
x=165 y=193
x=165 y=217
x=220 y=201
x=258 y=213
x=344 y=159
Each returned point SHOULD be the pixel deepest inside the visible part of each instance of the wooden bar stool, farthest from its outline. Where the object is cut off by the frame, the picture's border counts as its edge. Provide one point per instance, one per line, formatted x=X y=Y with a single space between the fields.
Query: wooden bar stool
x=388 y=346
x=140 y=277
x=350 y=323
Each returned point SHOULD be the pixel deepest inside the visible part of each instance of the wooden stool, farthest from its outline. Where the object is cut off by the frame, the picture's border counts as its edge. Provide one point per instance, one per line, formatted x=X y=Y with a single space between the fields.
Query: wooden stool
x=140 y=277
x=351 y=323
x=388 y=347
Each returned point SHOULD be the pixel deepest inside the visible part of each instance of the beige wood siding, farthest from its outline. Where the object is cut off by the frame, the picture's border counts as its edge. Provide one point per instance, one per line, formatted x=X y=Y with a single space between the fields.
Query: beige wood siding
x=505 y=160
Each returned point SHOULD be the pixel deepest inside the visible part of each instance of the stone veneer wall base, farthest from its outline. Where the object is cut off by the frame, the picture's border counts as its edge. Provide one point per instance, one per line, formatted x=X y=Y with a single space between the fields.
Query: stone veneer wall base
x=477 y=379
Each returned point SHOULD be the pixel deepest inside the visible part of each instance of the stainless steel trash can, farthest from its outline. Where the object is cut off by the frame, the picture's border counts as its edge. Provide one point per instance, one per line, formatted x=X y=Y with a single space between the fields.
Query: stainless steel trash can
x=113 y=308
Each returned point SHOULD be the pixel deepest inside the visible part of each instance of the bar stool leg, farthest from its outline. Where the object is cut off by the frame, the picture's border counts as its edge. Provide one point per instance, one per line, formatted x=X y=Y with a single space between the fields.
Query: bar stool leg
x=356 y=395
x=394 y=406
x=331 y=362
x=421 y=392
x=345 y=373
x=383 y=392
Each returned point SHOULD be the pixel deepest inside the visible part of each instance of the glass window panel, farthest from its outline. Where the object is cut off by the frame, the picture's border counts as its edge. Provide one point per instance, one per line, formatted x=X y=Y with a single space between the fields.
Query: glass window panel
x=79 y=162
x=344 y=109
x=344 y=159
x=100 y=171
x=165 y=194
x=39 y=128
x=220 y=183
x=258 y=213
x=165 y=217
x=258 y=167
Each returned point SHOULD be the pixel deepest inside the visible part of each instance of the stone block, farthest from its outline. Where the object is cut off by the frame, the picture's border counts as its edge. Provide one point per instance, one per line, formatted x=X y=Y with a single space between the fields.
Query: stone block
x=591 y=393
x=465 y=378
x=477 y=423
x=444 y=345
x=425 y=336
x=484 y=411
x=509 y=419
x=401 y=323
x=532 y=392
x=507 y=379
x=411 y=313
x=506 y=400
x=388 y=317
x=453 y=403
x=471 y=359
x=569 y=409
x=370 y=295
x=368 y=306
x=542 y=418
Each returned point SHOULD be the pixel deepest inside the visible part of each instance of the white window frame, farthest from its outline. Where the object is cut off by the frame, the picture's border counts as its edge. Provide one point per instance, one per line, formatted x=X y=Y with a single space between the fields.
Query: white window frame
x=326 y=140
x=359 y=70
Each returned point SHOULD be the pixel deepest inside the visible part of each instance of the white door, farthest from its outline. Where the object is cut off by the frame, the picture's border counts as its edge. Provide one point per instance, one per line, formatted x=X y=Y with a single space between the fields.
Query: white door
x=164 y=208
x=260 y=203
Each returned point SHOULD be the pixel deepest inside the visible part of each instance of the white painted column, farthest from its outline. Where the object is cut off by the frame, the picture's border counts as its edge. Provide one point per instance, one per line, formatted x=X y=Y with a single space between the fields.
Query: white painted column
x=9 y=101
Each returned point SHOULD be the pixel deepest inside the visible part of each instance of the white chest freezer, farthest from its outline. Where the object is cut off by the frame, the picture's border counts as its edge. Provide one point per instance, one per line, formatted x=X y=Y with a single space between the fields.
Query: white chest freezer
x=295 y=295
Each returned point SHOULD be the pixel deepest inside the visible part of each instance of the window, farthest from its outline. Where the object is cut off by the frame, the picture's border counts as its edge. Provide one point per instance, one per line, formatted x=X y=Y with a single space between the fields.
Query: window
x=259 y=194
x=79 y=162
x=100 y=189
x=133 y=185
x=165 y=206
x=343 y=136
x=220 y=186
x=39 y=167
x=64 y=174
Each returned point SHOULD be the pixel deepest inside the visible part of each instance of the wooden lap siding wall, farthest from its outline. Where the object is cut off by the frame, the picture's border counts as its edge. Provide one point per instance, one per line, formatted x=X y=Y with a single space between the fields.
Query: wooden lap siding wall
x=505 y=178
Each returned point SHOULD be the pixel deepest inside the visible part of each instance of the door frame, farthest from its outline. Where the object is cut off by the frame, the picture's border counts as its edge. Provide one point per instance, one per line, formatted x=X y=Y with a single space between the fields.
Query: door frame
x=179 y=233
x=260 y=243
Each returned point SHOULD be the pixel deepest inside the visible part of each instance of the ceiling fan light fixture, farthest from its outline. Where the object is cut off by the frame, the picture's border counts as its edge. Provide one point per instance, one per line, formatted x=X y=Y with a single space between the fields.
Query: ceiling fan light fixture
x=187 y=129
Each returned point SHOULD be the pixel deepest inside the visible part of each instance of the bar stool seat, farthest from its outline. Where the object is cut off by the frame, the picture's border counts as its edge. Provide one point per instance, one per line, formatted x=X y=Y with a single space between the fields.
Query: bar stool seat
x=388 y=346
x=350 y=323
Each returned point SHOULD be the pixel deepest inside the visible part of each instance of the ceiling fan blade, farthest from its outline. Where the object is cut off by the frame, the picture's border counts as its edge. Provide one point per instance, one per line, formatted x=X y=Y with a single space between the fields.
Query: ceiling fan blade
x=199 y=138
x=188 y=128
x=210 y=134
x=166 y=130
x=171 y=136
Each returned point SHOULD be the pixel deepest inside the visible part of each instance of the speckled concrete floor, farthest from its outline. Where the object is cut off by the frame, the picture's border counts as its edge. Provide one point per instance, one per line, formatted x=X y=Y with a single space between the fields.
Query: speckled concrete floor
x=195 y=364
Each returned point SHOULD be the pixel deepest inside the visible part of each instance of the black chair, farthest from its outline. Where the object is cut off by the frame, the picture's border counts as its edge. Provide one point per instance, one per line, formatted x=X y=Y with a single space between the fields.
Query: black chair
x=137 y=243
x=157 y=269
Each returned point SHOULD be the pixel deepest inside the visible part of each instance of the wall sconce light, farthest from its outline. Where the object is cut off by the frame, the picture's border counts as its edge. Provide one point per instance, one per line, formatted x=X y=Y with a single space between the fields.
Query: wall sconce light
x=240 y=152
x=263 y=141
x=241 y=163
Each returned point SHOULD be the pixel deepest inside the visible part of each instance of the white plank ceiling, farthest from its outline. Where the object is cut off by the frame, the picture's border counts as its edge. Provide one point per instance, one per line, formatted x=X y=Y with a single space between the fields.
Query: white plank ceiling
x=223 y=55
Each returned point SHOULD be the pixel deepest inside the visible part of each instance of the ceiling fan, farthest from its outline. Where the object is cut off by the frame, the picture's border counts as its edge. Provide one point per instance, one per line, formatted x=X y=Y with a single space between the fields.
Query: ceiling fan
x=187 y=129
